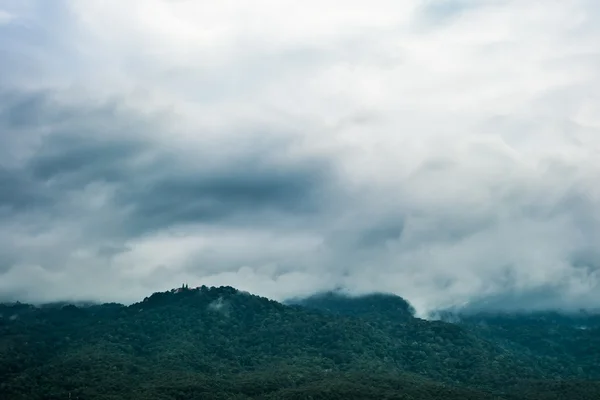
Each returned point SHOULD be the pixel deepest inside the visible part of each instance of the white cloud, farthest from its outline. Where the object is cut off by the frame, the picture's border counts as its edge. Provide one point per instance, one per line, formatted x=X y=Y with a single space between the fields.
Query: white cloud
x=475 y=127
x=6 y=17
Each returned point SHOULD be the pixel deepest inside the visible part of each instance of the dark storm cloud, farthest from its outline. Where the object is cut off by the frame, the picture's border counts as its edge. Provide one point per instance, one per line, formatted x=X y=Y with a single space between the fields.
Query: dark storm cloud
x=233 y=190
x=73 y=161
x=148 y=188
x=91 y=179
x=21 y=110
x=7 y=260
x=159 y=189
x=19 y=192
x=545 y=298
x=587 y=259
x=380 y=234
x=180 y=145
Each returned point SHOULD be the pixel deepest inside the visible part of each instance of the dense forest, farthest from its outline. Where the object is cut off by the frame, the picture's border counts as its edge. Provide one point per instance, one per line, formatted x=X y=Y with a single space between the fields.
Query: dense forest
x=220 y=343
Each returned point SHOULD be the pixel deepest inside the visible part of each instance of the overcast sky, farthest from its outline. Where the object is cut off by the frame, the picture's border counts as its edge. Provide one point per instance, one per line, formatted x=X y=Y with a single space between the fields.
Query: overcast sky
x=444 y=150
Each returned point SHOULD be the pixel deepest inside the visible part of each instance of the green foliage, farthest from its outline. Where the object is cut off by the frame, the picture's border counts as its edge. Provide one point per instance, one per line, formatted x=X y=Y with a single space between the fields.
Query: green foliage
x=561 y=344
x=377 y=306
x=221 y=343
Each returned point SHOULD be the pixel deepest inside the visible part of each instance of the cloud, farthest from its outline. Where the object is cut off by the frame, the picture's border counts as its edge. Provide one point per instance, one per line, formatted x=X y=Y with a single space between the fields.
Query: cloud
x=445 y=151
x=5 y=17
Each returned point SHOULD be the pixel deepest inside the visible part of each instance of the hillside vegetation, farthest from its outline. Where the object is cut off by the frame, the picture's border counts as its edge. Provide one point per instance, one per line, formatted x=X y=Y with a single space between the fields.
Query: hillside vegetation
x=220 y=343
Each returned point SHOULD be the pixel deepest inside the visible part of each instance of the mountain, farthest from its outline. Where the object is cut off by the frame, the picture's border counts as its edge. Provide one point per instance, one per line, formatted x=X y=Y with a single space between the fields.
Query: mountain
x=225 y=344
x=568 y=343
x=373 y=306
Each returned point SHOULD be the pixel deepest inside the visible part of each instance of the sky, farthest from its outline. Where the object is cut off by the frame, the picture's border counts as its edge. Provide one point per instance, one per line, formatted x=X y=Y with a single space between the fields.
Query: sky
x=443 y=150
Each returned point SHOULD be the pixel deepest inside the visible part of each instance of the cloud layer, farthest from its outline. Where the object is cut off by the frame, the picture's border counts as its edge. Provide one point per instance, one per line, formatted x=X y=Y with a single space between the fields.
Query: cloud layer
x=446 y=151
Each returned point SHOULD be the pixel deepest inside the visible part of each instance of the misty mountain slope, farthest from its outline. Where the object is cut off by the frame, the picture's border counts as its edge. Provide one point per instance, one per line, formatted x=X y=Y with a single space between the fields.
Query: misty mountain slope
x=554 y=344
x=569 y=341
x=372 y=306
x=220 y=340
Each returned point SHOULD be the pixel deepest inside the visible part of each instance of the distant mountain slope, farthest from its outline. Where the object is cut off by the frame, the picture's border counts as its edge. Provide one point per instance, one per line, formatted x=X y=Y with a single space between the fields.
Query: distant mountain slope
x=556 y=344
x=569 y=342
x=223 y=343
x=372 y=306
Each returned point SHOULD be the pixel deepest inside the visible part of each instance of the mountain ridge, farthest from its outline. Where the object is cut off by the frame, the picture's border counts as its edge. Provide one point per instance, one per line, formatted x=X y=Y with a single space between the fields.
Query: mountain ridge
x=210 y=334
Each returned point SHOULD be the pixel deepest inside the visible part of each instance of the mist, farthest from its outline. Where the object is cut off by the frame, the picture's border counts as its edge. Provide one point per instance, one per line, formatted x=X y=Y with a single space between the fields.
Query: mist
x=443 y=151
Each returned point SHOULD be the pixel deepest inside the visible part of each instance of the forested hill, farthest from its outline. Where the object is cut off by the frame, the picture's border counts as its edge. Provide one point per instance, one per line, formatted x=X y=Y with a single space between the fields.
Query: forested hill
x=220 y=343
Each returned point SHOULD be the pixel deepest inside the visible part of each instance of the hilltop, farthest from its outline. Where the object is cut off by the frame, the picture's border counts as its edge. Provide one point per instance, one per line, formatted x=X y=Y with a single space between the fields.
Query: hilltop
x=224 y=343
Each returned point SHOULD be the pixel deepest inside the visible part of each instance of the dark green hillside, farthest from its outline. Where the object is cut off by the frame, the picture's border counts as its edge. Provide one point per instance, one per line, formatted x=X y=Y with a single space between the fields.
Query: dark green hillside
x=549 y=345
x=569 y=343
x=373 y=306
x=222 y=343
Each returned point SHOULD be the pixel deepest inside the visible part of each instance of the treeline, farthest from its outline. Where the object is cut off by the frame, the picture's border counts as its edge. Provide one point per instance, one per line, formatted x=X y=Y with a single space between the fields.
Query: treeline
x=221 y=343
